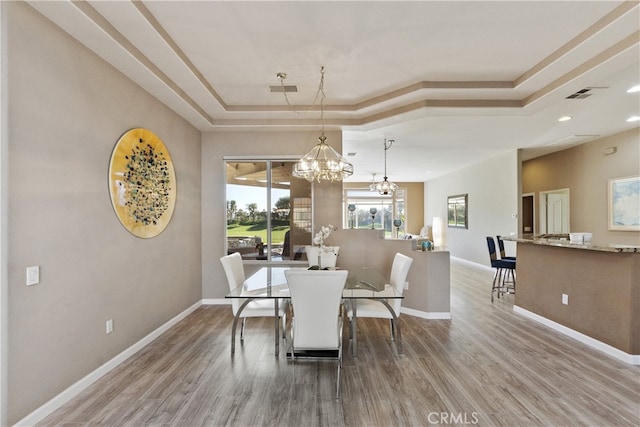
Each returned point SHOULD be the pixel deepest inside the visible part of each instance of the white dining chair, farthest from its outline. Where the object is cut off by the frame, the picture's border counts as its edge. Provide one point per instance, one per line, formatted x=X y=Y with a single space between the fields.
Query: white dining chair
x=375 y=309
x=234 y=271
x=316 y=325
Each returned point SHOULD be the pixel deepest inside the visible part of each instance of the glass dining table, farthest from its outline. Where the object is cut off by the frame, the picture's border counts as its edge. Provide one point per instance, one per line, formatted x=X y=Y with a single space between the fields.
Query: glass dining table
x=270 y=283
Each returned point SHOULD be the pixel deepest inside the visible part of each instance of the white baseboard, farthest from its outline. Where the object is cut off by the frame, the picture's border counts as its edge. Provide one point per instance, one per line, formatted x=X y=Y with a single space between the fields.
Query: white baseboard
x=471 y=263
x=632 y=359
x=75 y=389
x=214 y=301
x=426 y=314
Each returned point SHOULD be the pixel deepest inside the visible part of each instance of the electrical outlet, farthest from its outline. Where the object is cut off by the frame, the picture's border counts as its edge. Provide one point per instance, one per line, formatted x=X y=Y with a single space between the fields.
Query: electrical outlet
x=109 y=326
x=406 y=286
x=33 y=275
x=565 y=299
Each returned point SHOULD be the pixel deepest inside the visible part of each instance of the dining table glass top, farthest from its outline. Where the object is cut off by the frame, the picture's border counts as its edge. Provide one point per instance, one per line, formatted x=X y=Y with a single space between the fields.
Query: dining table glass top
x=270 y=282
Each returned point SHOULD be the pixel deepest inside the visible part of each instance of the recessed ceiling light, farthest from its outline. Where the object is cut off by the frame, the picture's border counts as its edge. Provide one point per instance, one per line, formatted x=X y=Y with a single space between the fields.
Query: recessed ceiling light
x=633 y=119
x=565 y=118
x=634 y=89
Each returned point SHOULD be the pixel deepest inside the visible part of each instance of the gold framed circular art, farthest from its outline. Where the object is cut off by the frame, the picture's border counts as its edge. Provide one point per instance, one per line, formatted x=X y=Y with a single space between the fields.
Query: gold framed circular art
x=142 y=183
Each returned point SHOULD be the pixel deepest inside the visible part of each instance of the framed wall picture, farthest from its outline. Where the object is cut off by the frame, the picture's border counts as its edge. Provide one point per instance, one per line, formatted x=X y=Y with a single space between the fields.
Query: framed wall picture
x=624 y=204
x=457 y=211
x=142 y=183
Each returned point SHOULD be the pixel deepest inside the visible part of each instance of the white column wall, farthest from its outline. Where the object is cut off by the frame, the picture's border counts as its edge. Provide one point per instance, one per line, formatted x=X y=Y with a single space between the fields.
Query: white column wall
x=493 y=189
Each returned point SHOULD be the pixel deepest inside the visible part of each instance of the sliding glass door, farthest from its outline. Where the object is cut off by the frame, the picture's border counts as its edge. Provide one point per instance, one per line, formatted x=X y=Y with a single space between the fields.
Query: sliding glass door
x=268 y=211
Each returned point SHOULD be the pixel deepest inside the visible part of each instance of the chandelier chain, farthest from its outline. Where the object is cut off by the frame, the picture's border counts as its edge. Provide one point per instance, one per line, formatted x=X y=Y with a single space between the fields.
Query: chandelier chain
x=387 y=145
x=319 y=94
x=385 y=187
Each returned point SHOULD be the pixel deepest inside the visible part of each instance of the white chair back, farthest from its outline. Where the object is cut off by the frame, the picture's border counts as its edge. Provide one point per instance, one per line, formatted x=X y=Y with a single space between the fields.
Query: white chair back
x=399 y=272
x=316 y=297
x=234 y=270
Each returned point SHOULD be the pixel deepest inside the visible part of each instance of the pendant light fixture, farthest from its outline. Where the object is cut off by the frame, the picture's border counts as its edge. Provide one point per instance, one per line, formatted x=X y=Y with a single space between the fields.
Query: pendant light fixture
x=372 y=186
x=322 y=163
x=385 y=187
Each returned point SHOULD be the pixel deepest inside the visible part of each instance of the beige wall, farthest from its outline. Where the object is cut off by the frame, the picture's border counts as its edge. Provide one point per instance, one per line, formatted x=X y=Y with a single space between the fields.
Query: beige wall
x=414 y=204
x=599 y=307
x=217 y=145
x=66 y=109
x=585 y=171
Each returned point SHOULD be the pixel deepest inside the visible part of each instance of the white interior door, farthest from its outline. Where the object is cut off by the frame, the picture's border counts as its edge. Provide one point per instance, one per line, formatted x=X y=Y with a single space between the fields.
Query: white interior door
x=555 y=217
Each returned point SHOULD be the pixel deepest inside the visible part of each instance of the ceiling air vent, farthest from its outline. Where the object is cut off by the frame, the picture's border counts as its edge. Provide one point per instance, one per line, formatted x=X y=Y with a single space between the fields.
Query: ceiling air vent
x=586 y=92
x=283 y=88
x=581 y=94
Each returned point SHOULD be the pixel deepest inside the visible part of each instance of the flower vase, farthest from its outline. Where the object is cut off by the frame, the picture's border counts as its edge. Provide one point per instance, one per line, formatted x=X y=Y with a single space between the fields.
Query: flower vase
x=322 y=256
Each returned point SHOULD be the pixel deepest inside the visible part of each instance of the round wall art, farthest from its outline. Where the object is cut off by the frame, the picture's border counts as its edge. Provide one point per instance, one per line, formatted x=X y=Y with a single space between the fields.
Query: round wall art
x=142 y=183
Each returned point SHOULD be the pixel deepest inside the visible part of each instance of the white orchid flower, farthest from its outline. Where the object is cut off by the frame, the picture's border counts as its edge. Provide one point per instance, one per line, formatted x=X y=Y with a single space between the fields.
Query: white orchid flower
x=324 y=232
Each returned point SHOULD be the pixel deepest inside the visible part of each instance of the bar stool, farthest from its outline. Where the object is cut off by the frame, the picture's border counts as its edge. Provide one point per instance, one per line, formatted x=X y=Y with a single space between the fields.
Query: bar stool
x=501 y=248
x=505 y=269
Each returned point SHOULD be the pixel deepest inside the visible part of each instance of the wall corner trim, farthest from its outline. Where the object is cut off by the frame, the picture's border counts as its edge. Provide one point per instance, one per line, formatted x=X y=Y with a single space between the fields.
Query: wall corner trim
x=76 y=388
x=632 y=359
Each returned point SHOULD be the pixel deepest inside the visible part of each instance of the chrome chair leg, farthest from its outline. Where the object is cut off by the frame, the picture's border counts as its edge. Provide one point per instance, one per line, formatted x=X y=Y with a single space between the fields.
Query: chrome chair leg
x=244 y=319
x=339 y=371
x=494 y=288
x=293 y=359
x=509 y=282
x=284 y=326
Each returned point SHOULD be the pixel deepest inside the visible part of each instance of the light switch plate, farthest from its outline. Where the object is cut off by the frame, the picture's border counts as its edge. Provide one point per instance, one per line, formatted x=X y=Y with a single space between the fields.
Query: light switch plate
x=33 y=275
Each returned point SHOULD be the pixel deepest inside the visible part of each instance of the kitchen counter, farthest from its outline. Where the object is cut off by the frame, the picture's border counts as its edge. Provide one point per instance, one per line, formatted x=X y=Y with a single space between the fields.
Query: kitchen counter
x=592 y=289
x=567 y=244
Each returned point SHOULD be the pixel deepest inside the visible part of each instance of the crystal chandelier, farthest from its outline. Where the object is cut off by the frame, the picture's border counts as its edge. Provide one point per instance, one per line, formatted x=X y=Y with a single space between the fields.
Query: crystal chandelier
x=385 y=187
x=322 y=163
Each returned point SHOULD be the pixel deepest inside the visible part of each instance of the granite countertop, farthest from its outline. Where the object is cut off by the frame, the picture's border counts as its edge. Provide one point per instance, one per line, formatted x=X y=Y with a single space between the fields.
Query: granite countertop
x=565 y=243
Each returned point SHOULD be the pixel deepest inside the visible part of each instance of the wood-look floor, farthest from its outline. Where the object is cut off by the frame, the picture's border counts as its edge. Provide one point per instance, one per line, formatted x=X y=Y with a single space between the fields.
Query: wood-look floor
x=487 y=366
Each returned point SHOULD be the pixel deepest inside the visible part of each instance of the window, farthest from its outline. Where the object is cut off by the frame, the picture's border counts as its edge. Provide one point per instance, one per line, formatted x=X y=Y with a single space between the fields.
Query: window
x=268 y=211
x=457 y=211
x=366 y=209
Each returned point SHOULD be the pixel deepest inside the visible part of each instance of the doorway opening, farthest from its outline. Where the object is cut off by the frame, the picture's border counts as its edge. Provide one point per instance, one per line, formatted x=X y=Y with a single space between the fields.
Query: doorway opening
x=528 y=215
